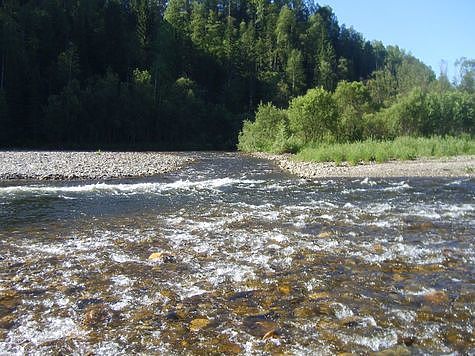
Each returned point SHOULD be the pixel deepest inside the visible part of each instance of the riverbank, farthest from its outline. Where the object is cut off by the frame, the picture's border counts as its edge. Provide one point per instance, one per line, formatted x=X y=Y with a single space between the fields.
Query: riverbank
x=38 y=165
x=459 y=166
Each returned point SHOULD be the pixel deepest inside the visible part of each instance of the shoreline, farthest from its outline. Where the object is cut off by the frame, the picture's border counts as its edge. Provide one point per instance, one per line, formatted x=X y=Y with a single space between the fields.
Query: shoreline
x=73 y=165
x=450 y=167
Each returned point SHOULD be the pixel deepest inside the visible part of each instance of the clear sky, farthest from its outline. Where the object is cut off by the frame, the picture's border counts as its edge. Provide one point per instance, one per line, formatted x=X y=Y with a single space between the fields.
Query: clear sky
x=432 y=30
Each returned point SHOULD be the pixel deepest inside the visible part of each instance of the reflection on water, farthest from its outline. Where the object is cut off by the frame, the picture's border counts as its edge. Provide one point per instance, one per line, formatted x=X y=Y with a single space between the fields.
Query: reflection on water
x=233 y=256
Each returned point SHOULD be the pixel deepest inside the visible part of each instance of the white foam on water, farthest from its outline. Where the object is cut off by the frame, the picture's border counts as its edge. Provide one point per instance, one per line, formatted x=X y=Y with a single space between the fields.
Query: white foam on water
x=125 y=301
x=457 y=182
x=457 y=211
x=122 y=258
x=367 y=181
x=36 y=333
x=378 y=208
x=121 y=280
x=218 y=273
x=420 y=292
x=424 y=212
x=268 y=215
x=123 y=188
x=110 y=348
x=397 y=187
x=405 y=252
x=381 y=224
x=341 y=311
x=407 y=316
x=377 y=342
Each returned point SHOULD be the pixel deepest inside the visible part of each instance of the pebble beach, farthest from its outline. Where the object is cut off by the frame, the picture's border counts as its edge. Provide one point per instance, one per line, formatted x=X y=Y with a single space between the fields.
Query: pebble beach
x=461 y=166
x=62 y=165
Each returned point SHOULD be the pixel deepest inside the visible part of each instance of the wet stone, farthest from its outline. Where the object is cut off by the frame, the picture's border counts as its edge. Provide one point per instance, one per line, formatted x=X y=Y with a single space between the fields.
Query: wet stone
x=9 y=299
x=175 y=315
x=285 y=289
x=242 y=295
x=7 y=321
x=199 y=323
x=394 y=351
x=325 y=234
x=263 y=263
x=319 y=295
x=437 y=297
x=84 y=303
x=163 y=257
x=97 y=314
x=260 y=325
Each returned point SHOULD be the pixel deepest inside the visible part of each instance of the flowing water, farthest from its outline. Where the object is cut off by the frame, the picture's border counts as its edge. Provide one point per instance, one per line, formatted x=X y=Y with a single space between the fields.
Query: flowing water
x=231 y=255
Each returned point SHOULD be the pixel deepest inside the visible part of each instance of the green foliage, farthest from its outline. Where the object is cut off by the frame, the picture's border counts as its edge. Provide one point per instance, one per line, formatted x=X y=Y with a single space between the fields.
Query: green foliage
x=183 y=74
x=295 y=73
x=422 y=113
x=261 y=135
x=466 y=74
x=402 y=148
x=142 y=77
x=353 y=101
x=313 y=117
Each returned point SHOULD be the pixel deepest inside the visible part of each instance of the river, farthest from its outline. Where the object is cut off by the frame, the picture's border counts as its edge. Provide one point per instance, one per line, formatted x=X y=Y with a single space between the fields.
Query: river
x=232 y=255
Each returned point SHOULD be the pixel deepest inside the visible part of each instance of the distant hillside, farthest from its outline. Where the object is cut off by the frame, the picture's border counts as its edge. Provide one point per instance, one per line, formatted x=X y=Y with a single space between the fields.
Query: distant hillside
x=139 y=74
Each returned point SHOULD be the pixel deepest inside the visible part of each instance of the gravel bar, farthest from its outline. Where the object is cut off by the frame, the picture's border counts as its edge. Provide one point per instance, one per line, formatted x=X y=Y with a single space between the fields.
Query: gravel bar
x=62 y=165
x=460 y=166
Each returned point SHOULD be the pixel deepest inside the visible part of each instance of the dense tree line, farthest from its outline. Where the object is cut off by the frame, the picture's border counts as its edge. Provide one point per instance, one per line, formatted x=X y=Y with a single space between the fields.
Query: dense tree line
x=172 y=75
x=402 y=98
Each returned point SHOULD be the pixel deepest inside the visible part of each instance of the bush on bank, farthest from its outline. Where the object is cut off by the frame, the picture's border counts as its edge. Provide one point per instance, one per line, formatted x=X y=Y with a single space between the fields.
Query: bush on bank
x=347 y=125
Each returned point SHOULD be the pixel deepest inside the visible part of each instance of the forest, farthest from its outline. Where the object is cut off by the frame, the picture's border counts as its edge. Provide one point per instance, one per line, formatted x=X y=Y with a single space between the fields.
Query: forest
x=175 y=75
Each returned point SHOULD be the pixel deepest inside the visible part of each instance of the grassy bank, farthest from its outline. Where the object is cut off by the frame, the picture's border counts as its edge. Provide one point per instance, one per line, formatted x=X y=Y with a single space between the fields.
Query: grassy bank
x=402 y=148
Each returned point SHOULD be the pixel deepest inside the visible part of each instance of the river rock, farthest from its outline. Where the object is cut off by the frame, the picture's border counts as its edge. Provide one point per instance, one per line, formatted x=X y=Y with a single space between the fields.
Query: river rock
x=162 y=257
x=325 y=234
x=454 y=337
x=87 y=165
x=7 y=321
x=9 y=299
x=284 y=289
x=398 y=350
x=319 y=295
x=199 y=323
x=437 y=297
x=97 y=314
x=274 y=333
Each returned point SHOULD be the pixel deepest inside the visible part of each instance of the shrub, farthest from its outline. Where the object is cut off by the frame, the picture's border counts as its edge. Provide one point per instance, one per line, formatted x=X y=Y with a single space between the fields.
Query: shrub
x=353 y=101
x=261 y=134
x=313 y=117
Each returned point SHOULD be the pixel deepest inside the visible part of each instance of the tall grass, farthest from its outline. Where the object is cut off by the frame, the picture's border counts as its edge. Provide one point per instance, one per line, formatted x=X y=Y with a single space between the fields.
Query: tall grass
x=402 y=148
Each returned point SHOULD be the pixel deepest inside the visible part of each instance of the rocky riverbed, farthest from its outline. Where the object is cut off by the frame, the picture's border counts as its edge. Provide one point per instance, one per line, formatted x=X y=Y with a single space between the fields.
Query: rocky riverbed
x=231 y=255
x=37 y=165
x=462 y=166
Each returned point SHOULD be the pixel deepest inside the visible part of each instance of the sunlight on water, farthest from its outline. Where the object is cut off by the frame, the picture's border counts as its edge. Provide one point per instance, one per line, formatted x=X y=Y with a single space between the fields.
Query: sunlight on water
x=233 y=256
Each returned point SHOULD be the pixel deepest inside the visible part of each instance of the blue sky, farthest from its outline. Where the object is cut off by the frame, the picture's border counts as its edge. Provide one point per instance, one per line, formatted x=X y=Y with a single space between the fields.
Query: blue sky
x=432 y=30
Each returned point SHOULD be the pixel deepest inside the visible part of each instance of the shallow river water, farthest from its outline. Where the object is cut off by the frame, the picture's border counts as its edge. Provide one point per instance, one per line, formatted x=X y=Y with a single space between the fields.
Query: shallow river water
x=231 y=255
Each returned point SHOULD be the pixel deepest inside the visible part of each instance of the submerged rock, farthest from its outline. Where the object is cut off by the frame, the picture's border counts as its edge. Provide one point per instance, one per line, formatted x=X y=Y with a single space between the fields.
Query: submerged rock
x=398 y=350
x=284 y=289
x=261 y=325
x=162 y=257
x=86 y=302
x=319 y=295
x=7 y=321
x=199 y=323
x=9 y=299
x=274 y=333
x=97 y=314
x=437 y=297
x=325 y=234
